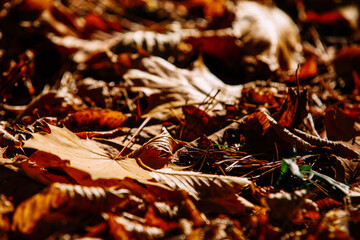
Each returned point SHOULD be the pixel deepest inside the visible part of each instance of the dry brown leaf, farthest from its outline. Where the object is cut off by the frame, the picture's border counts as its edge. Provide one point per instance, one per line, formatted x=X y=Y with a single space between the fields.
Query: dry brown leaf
x=59 y=200
x=94 y=119
x=168 y=88
x=6 y=207
x=88 y=164
x=229 y=203
x=335 y=224
x=85 y=155
x=211 y=8
x=201 y=185
x=260 y=127
x=197 y=123
x=261 y=131
x=97 y=92
x=326 y=204
x=50 y=103
x=157 y=152
x=282 y=202
x=346 y=64
x=125 y=228
x=294 y=109
x=269 y=34
x=341 y=125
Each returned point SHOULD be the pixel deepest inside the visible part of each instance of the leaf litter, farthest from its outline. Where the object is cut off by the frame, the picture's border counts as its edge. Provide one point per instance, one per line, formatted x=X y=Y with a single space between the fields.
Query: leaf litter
x=179 y=119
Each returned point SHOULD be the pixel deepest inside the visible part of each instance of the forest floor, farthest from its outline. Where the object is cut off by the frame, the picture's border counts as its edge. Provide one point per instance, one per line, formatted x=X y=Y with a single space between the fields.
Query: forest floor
x=193 y=119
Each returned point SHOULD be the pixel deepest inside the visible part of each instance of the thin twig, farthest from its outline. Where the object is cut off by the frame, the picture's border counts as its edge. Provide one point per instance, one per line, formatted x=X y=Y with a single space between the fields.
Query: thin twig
x=297 y=80
x=340 y=148
x=135 y=134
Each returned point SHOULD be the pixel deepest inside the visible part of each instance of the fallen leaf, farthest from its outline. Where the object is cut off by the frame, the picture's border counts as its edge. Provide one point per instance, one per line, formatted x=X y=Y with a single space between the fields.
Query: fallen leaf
x=198 y=185
x=197 y=122
x=122 y=227
x=62 y=199
x=211 y=8
x=281 y=202
x=336 y=224
x=97 y=166
x=294 y=109
x=169 y=88
x=326 y=204
x=346 y=62
x=94 y=119
x=6 y=207
x=51 y=103
x=269 y=34
x=157 y=152
x=341 y=125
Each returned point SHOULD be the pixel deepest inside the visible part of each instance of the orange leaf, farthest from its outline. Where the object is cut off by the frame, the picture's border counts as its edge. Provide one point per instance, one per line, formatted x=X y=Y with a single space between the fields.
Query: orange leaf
x=94 y=119
x=127 y=228
x=59 y=200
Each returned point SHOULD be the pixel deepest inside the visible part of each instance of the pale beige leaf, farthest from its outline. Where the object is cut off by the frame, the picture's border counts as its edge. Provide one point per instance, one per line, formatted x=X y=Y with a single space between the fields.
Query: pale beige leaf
x=269 y=34
x=169 y=87
x=85 y=155
x=201 y=185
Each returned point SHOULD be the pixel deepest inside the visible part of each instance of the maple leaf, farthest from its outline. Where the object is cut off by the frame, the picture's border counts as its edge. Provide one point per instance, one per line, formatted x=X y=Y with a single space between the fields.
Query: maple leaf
x=85 y=155
x=169 y=88
x=86 y=163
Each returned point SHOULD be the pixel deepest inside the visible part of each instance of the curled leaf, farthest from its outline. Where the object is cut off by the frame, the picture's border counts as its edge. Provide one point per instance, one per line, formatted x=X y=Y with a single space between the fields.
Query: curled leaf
x=63 y=199
x=269 y=34
x=122 y=227
x=156 y=153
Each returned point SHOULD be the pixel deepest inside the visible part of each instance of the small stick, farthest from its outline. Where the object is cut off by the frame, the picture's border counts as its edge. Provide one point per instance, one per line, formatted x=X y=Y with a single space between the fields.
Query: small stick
x=135 y=134
x=297 y=80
